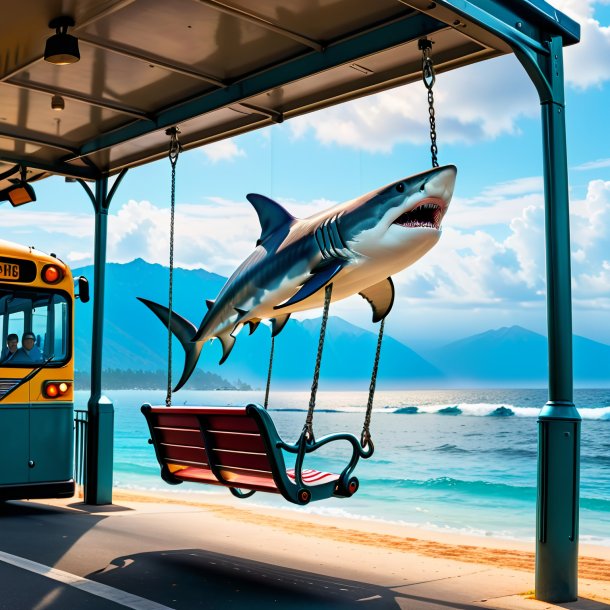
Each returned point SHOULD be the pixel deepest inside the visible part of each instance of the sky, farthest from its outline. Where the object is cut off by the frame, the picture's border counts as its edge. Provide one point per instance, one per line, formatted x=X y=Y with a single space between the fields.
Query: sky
x=488 y=269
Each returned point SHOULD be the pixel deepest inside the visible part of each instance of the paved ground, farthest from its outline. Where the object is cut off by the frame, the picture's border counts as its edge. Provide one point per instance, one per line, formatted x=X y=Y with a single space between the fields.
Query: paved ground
x=146 y=556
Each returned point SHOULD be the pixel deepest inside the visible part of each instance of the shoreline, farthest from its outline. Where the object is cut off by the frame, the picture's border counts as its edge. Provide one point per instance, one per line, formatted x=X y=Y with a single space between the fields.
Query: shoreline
x=594 y=560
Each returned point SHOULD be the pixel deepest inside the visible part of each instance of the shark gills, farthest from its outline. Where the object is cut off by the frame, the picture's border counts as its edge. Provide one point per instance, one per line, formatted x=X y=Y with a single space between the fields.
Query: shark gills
x=357 y=246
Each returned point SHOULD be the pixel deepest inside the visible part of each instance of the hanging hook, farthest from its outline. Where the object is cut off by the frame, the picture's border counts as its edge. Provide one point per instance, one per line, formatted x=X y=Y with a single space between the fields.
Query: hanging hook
x=429 y=78
x=175 y=148
x=428 y=75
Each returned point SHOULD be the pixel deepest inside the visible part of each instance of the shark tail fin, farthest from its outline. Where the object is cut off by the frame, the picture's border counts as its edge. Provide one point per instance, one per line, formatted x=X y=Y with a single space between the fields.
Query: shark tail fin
x=184 y=332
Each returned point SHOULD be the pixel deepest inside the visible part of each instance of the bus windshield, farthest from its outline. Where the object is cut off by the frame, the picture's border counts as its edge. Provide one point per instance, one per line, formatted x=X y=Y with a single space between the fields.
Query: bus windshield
x=40 y=319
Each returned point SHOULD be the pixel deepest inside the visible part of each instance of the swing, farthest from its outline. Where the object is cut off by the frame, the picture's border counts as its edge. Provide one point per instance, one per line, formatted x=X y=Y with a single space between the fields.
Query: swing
x=239 y=447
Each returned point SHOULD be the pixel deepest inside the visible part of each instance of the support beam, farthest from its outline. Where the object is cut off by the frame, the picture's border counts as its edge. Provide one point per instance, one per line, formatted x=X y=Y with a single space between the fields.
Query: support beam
x=559 y=420
x=406 y=29
x=149 y=58
x=100 y=423
x=85 y=99
x=263 y=23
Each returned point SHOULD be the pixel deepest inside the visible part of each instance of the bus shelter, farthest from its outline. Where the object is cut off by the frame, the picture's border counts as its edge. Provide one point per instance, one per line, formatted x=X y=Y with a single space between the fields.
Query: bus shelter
x=216 y=68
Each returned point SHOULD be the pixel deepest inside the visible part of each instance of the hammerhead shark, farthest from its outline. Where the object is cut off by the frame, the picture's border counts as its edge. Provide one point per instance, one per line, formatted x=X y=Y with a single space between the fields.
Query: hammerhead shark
x=357 y=246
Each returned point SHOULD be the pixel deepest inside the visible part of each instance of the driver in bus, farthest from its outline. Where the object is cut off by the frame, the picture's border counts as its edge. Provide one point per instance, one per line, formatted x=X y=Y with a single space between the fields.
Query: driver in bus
x=12 y=341
x=28 y=352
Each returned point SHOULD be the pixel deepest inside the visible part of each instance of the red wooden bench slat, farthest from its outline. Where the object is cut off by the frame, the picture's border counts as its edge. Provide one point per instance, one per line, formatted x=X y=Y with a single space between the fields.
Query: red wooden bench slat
x=251 y=461
x=232 y=423
x=167 y=420
x=182 y=453
x=176 y=436
x=200 y=410
x=237 y=479
x=197 y=475
x=239 y=442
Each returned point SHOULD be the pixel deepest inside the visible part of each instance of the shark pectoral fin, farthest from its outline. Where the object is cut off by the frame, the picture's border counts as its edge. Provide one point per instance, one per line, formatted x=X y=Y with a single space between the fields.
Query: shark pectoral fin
x=253 y=324
x=317 y=280
x=271 y=215
x=277 y=324
x=184 y=332
x=228 y=341
x=381 y=298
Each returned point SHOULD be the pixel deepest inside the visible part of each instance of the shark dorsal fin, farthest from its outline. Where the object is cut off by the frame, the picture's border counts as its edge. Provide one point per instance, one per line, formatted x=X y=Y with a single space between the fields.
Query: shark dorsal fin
x=271 y=214
x=209 y=303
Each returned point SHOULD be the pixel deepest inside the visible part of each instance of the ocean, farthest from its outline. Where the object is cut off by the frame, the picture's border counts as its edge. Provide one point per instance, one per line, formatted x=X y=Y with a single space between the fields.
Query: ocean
x=461 y=461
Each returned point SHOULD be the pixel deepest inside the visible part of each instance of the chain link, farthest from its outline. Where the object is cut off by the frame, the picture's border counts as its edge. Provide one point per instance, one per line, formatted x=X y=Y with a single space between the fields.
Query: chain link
x=308 y=428
x=174 y=151
x=429 y=78
x=365 y=437
x=269 y=370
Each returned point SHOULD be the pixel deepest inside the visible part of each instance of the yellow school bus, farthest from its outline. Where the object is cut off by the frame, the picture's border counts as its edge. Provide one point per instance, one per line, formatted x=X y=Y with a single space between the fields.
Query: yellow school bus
x=36 y=374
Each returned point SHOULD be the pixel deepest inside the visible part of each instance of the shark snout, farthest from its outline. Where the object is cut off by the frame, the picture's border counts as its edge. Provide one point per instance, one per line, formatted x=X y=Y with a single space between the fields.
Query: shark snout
x=441 y=183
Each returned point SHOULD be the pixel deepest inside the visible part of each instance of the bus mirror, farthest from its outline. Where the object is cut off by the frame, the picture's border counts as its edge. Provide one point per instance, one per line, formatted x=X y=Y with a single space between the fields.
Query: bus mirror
x=83 y=289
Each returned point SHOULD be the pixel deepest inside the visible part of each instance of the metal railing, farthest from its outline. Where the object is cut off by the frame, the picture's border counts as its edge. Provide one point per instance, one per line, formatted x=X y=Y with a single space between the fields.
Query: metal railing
x=80 y=445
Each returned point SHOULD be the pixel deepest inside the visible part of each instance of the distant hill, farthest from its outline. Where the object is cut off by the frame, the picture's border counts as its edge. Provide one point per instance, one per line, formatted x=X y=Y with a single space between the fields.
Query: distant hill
x=135 y=339
x=516 y=356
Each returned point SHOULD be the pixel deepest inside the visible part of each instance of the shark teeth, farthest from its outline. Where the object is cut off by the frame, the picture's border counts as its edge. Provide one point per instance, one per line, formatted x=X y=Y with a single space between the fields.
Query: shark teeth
x=428 y=214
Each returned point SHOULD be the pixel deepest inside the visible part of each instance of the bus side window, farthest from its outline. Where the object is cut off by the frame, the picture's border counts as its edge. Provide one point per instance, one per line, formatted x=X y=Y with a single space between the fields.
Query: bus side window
x=60 y=315
x=39 y=326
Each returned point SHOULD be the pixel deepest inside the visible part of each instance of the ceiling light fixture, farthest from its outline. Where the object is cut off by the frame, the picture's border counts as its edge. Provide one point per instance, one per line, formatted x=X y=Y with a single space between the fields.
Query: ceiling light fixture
x=61 y=48
x=57 y=103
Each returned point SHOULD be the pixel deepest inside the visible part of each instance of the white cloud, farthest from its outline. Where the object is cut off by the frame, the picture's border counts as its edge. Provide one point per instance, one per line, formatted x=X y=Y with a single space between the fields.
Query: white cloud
x=597 y=164
x=33 y=222
x=478 y=102
x=78 y=257
x=223 y=150
x=472 y=269
x=498 y=93
x=588 y=62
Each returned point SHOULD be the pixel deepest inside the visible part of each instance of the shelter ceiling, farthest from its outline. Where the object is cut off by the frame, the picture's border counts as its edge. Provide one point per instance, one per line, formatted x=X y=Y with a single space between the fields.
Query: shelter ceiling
x=215 y=68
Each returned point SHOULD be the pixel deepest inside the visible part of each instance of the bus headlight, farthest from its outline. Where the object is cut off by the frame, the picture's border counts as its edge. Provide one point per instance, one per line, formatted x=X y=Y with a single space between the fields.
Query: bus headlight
x=52 y=274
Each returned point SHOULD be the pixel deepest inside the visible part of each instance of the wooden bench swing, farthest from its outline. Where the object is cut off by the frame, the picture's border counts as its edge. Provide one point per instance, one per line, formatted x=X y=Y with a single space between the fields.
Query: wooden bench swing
x=240 y=448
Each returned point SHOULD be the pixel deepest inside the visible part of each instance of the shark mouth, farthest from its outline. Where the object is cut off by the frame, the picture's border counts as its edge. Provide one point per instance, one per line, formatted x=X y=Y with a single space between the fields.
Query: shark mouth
x=429 y=213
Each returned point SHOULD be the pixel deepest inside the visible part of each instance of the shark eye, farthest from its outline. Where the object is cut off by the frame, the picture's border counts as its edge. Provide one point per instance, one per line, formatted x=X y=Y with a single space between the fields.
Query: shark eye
x=400 y=187
x=422 y=188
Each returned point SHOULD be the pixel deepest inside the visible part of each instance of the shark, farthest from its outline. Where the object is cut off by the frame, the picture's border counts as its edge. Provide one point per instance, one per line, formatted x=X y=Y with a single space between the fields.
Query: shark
x=357 y=246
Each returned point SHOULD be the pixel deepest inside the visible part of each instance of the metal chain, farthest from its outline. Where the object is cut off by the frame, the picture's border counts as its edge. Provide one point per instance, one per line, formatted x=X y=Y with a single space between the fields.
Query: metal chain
x=266 y=404
x=174 y=151
x=429 y=78
x=316 y=374
x=366 y=434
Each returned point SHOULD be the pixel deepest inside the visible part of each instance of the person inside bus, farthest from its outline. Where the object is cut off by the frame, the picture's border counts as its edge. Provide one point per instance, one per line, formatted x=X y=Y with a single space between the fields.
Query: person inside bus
x=12 y=341
x=28 y=352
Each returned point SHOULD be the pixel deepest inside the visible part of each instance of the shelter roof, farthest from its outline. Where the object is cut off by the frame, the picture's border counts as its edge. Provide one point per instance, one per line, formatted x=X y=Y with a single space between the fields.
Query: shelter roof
x=218 y=68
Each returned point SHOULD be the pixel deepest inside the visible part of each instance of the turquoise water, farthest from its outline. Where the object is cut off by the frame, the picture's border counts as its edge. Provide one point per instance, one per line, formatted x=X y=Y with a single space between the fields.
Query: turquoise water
x=459 y=461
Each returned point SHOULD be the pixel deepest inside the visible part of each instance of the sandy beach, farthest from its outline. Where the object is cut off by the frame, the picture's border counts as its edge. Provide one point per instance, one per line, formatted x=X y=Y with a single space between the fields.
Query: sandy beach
x=392 y=547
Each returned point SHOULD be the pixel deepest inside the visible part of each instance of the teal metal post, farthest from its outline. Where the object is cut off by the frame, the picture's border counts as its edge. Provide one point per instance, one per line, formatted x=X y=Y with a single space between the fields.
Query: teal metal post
x=100 y=426
x=559 y=421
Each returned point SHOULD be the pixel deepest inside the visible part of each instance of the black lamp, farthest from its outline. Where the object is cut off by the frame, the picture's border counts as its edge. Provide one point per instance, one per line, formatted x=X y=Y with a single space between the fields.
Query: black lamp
x=61 y=48
x=20 y=192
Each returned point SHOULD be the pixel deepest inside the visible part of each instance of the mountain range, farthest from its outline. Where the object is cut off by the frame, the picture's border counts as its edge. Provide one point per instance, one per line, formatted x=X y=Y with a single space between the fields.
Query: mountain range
x=134 y=339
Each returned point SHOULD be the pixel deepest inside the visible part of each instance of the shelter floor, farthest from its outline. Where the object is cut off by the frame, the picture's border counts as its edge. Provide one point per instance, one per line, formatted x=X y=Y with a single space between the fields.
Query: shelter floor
x=154 y=555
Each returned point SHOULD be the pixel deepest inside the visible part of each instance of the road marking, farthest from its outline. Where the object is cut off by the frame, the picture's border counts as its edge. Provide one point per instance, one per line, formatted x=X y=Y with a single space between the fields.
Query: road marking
x=89 y=586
